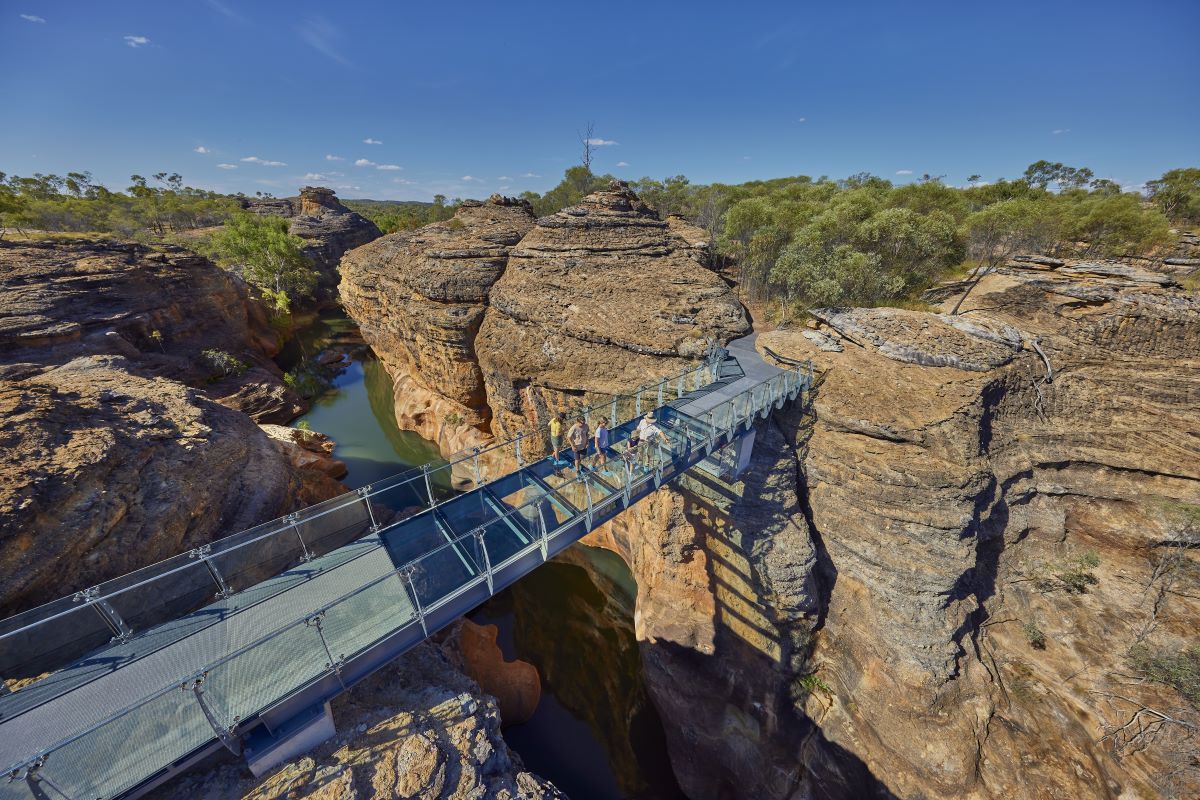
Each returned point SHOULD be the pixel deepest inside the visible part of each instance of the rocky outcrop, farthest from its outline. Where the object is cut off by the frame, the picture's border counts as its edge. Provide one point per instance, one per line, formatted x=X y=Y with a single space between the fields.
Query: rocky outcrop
x=415 y=730
x=108 y=470
x=126 y=443
x=328 y=227
x=991 y=497
x=306 y=450
x=158 y=308
x=515 y=684
x=419 y=298
x=597 y=298
x=490 y=319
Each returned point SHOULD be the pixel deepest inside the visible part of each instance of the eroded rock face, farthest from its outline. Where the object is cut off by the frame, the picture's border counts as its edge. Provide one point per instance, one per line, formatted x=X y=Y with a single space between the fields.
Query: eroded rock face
x=416 y=729
x=599 y=297
x=957 y=495
x=108 y=471
x=158 y=308
x=419 y=298
x=124 y=446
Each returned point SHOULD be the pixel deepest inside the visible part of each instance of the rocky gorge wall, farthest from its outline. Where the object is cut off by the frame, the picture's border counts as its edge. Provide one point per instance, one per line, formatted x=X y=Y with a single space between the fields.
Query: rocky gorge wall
x=125 y=446
x=853 y=617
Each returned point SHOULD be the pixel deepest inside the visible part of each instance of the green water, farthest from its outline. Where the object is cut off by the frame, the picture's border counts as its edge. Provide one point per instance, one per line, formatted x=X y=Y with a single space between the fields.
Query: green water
x=357 y=411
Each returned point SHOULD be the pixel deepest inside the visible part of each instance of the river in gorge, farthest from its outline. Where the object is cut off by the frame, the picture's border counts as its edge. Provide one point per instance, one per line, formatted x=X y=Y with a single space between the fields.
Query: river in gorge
x=594 y=734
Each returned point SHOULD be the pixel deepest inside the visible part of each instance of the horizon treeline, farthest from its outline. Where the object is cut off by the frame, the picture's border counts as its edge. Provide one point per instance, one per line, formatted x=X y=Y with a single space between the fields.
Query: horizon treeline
x=860 y=240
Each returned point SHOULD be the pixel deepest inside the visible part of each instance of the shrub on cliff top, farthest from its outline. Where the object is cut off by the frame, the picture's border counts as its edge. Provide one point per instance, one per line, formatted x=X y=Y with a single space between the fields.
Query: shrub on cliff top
x=1179 y=669
x=267 y=256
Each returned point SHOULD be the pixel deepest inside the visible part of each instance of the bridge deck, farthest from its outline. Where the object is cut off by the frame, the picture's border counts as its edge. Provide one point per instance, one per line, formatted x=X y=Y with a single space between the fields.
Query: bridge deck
x=299 y=637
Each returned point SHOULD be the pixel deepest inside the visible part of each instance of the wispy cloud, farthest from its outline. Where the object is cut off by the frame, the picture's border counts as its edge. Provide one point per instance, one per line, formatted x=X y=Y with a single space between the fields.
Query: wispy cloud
x=369 y=140
x=137 y=41
x=745 y=158
x=388 y=167
x=226 y=166
x=404 y=181
x=263 y=162
x=1058 y=131
x=470 y=179
x=622 y=163
x=530 y=175
x=334 y=158
x=321 y=35
x=348 y=186
x=503 y=188
x=504 y=178
x=225 y=10
x=33 y=18
x=314 y=176
x=601 y=142
x=802 y=119
x=362 y=162
x=202 y=150
x=904 y=172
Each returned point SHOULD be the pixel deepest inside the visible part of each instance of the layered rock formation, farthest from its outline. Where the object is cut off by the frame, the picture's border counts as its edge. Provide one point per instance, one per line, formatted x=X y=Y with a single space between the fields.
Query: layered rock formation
x=419 y=298
x=115 y=461
x=158 y=308
x=600 y=298
x=991 y=496
x=415 y=730
x=329 y=228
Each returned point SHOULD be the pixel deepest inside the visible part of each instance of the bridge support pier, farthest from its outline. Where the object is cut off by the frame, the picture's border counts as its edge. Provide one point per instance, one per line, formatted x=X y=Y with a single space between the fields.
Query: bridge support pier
x=265 y=750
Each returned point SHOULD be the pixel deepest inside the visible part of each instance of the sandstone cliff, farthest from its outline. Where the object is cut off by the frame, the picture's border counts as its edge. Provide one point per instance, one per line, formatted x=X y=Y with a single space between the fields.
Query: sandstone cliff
x=329 y=228
x=491 y=319
x=419 y=298
x=994 y=526
x=125 y=446
x=599 y=297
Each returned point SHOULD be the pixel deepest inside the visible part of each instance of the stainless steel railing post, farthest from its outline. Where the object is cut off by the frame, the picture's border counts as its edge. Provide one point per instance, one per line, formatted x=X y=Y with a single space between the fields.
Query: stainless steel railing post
x=487 y=560
x=292 y=519
x=407 y=575
x=428 y=485
x=204 y=553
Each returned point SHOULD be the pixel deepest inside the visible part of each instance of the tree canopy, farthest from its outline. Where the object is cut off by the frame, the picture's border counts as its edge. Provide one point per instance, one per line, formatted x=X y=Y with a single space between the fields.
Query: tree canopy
x=266 y=255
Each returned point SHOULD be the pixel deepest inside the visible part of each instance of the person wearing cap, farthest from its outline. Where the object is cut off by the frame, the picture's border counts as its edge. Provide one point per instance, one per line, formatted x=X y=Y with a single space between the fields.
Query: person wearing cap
x=647 y=432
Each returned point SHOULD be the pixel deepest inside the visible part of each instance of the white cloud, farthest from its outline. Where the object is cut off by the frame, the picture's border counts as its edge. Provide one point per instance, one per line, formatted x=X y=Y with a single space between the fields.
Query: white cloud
x=320 y=34
x=226 y=166
x=1057 y=131
x=404 y=181
x=904 y=172
x=745 y=158
x=263 y=162
x=33 y=18
x=314 y=176
x=470 y=179
x=504 y=188
x=622 y=163
x=348 y=186
x=504 y=178
x=362 y=162
x=802 y=119
x=202 y=150
x=601 y=142
x=334 y=158
x=530 y=175
x=388 y=167
x=369 y=140
x=136 y=41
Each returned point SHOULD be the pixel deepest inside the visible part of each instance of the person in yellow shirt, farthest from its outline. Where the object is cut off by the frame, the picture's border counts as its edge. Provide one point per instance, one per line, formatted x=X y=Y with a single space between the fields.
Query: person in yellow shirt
x=556 y=435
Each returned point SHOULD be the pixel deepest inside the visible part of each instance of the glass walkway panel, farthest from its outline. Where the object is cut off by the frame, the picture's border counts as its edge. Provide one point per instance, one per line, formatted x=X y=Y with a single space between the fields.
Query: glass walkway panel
x=109 y=690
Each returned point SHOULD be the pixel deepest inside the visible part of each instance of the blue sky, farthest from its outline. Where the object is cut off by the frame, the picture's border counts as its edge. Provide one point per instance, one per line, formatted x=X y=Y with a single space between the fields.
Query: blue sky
x=404 y=100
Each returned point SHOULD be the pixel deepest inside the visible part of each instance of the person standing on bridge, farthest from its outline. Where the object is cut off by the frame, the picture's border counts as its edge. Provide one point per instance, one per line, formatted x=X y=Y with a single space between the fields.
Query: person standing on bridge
x=649 y=432
x=601 y=459
x=577 y=437
x=556 y=422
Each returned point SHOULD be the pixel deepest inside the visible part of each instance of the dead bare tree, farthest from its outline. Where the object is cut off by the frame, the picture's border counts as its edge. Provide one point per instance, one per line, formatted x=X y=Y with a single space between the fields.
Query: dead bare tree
x=586 y=139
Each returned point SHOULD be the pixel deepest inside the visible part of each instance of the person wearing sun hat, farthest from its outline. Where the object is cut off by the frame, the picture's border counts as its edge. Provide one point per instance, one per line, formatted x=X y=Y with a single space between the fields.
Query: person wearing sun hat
x=648 y=430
